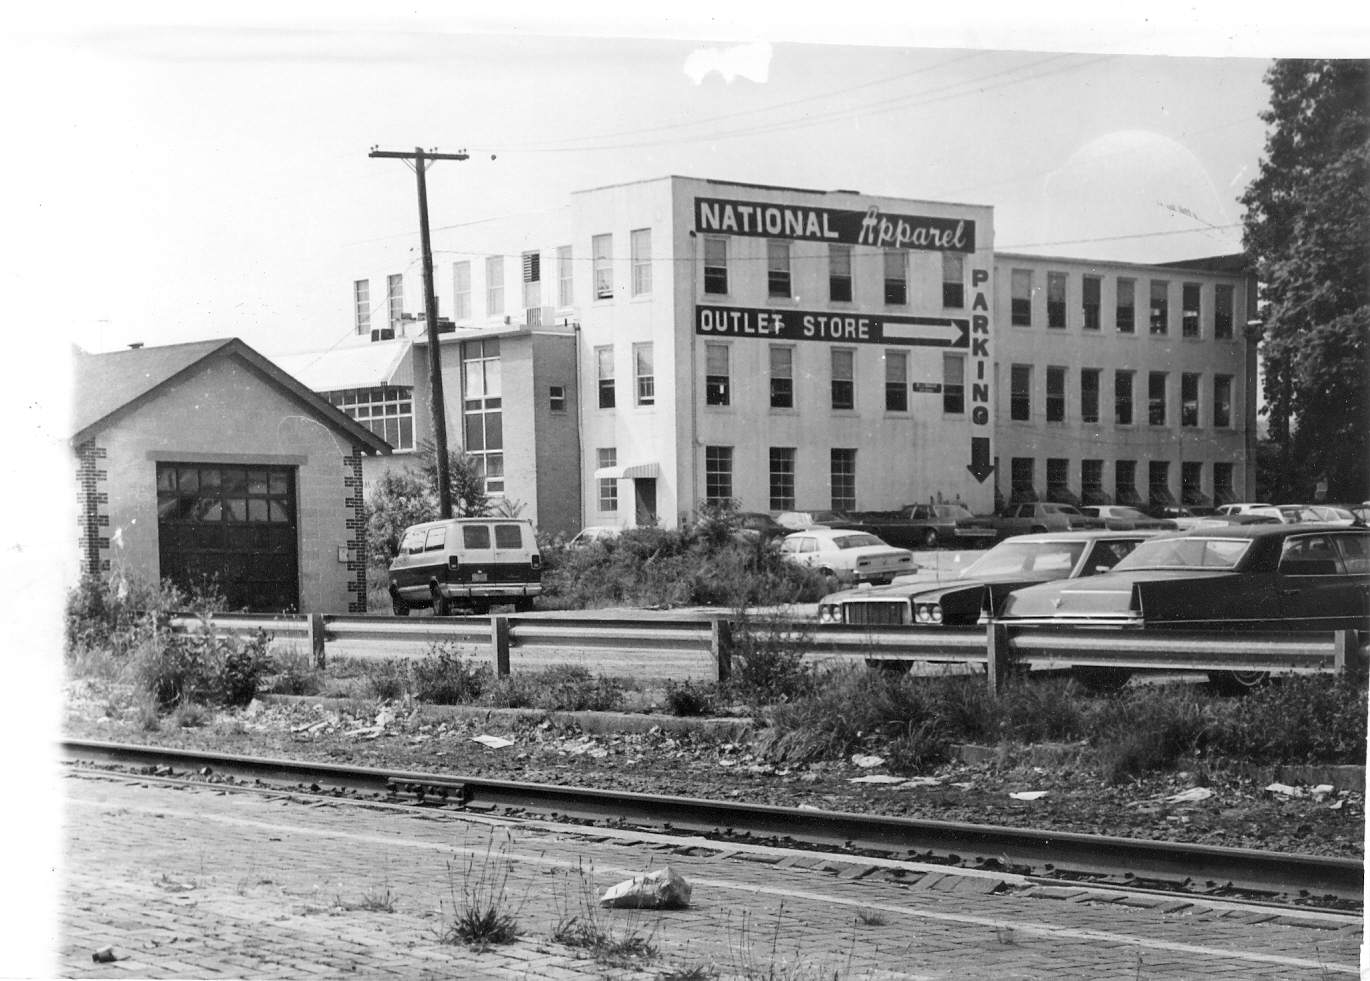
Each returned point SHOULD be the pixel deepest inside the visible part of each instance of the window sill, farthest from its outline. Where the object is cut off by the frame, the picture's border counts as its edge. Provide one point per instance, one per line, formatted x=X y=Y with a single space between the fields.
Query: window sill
x=641 y=298
x=777 y=410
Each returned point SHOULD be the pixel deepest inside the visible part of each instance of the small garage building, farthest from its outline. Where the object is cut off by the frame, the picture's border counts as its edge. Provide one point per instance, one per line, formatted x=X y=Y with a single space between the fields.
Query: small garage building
x=206 y=461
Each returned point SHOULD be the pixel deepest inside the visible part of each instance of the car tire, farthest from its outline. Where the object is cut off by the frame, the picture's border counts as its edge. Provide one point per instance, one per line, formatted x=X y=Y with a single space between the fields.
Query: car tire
x=1101 y=680
x=1037 y=530
x=399 y=607
x=888 y=667
x=1237 y=682
x=442 y=606
x=930 y=538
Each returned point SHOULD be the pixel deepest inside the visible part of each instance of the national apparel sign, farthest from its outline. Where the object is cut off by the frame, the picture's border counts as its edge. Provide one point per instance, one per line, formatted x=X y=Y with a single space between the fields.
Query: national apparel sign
x=868 y=227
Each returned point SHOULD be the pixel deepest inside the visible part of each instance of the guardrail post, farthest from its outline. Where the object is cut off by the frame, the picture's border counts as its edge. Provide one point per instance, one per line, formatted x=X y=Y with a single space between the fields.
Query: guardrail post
x=499 y=640
x=996 y=649
x=721 y=646
x=1346 y=653
x=316 y=639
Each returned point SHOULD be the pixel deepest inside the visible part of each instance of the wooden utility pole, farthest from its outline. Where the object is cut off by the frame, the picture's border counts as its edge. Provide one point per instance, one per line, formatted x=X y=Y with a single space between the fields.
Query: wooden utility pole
x=430 y=312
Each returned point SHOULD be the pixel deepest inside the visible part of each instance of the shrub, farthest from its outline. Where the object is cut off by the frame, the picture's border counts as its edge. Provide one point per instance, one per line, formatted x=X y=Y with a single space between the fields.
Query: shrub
x=388 y=680
x=692 y=697
x=241 y=669
x=1309 y=719
x=920 y=747
x=295 y=674
x=203 y=666
x=513 y=691
x=768 y=660
x=443 y=678
x=571 y=688
x=1144 y=729
x=1041 y=709
x=115 y=614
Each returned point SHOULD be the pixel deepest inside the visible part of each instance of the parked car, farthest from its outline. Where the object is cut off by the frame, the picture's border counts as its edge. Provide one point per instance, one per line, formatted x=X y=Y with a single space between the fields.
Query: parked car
x=801 y=520
x=755 y=524
x=985 y=583
x=1183 y=515
x=594 y=533
x=1241 y=508
x=1036 y=518
x=1307 y=514
x=927 y=525
x=1241 y=577
x=847 y=556
x=1118 y=517
x=466 y=562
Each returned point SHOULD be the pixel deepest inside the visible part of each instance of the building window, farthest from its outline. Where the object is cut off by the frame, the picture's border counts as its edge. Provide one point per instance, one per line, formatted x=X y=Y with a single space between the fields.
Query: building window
x=394 y=286
x=717 y=383
x=643 y=373
x=640 y=243
x=718 y=474
x=953 y=280
x=1155 y=398
x=843 y=379
x=1058 y=479
x=608 y=486
x=361 y=305
x=954 y=384
x=782 y=478
x=1125 y=481
x=1222 y=483
x=1189 y=310
x=716 y=265
x=604 y=359
x=1020 y=393
x=778 y=268
x=1160 y=307
x=556 y=398
x=1056 y=300
x=1022 y=478
x=482 y=410
x=1189 y=400
x=565 y=277
x=387 y=411
x=844 y=480
x=1191 y=483
x=1122 y=397
x=1158 y=482
x=1092 y=481
x=896 y=277
x=494 y=285
x=602 y=248
x=1089 y=394
x=1091 y=288
x=839 y=273
x=1127 y=306
x=782 y=378
x=1056 y=395
x=1222 y=401
x=1222 y=312
x=532 y=280
x=896 y=381
x=461 y=291
x=1020 y=298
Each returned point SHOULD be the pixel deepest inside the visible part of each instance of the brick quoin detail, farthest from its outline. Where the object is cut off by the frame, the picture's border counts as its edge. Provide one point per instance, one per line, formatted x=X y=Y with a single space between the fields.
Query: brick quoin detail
x=357 y=525
x=88 y=478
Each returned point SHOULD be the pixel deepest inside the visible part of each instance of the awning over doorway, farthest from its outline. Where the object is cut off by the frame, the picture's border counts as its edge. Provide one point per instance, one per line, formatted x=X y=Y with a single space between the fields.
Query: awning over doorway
x=630 y=472
x=1128 y=496
x=1162 y=495
x=1062 y=495
x=1196 y=497
x=1094 y=496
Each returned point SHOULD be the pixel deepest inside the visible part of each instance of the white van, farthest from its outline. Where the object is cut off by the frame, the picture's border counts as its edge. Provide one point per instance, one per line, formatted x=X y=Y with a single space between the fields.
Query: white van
x=467 y=562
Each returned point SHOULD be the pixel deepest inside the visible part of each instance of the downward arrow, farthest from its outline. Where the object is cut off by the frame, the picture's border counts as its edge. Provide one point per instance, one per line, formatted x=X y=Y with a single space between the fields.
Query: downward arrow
x=979 y=466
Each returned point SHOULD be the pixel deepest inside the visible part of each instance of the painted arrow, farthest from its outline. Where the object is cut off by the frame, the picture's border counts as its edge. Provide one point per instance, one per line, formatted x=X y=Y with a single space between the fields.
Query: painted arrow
x=980 y=467
x=927 y=331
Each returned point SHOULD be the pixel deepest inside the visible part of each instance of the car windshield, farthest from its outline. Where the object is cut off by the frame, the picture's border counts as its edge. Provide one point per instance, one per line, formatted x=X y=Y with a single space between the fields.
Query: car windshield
x=1052 y=559
x=952 y=511
x=856 y=541
x=1186 y=553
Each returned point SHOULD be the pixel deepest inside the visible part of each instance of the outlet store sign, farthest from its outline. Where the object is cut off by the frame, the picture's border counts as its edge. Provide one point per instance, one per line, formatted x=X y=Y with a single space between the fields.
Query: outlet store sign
x=868 y=227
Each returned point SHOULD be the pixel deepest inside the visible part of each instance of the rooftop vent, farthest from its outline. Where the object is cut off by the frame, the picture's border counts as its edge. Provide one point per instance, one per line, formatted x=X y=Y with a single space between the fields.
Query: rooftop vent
x=135 y=345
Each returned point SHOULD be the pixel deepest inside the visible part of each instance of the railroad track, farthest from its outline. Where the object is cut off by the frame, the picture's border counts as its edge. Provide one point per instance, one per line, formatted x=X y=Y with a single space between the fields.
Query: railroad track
x=1055 y=856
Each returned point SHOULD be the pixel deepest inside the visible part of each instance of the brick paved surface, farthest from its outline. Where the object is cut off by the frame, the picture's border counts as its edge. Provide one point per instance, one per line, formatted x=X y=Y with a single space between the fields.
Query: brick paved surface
x=200 y=883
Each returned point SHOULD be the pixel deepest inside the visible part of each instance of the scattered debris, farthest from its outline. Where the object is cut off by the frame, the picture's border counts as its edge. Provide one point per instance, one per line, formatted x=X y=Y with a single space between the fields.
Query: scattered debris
x=662 y=889
x=1284 y=788
x=1322 y=790
x=104 y=955
x=913 y=783
x=494 y=742
x=1190 y=796
x=876 y=778
x=1028 y=794
x=866 y=762
x=254 y=708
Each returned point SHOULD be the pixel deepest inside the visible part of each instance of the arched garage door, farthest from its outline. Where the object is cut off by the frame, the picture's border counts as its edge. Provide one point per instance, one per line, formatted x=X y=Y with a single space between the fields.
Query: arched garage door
x=233 y=526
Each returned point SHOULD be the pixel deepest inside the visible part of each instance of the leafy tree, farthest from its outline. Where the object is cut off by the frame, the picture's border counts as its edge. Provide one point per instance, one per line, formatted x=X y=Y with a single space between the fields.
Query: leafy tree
x=404 y=496
x=1307 y=225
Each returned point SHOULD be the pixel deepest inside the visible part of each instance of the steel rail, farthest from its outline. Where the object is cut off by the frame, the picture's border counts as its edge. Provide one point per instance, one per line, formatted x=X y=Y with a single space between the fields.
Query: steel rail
x=1063 y=854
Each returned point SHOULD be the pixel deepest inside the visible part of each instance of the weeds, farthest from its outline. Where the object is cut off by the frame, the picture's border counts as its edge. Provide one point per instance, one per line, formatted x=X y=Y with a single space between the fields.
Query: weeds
x=768 y=660
x=689 y=698
x=188 y=715
x=695 y=972
x=871 y=917
x=295 y=673
x=1005 y=934
x=483 y=913
x=583 y=925
x=388 y=680
x=373 y=901
x=441 y=677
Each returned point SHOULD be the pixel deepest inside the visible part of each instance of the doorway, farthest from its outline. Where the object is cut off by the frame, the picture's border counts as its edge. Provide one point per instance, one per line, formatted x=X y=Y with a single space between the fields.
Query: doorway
x=644 y=496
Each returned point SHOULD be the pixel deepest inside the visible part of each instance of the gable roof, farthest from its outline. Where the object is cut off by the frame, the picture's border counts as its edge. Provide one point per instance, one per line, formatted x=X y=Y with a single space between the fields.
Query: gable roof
x=110 y=386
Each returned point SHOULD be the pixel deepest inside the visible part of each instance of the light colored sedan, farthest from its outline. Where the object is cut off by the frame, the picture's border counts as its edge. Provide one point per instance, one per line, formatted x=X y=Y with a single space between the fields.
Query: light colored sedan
x=1119 y=517
x=847 y=556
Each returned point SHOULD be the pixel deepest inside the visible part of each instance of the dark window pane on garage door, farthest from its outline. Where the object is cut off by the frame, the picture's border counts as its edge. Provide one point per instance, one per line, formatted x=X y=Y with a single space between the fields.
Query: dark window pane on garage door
x=233 y=481
x=279 y=483
x=278 y=511
x=166 y=481
x=256 y=509
x=256 y=482
x=235 y=509
x=188 y=480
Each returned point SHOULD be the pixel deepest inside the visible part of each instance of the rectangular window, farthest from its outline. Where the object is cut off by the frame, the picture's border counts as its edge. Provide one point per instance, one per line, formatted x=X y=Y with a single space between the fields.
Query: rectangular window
x=1189 y=399
x=532 y=280
x=843 y=379
x=843 y=480
x=778 y=268
x=1189 y=310
x=387 y=411
x=641 y=245
x=839 y=273
x=394 y=291
x=602 y=250
x=494 y=285
x=716 y=265
x=1092 y=481
x=1020 y=393
x=1020 y=298
x=1122 y=397
x=1056 y=395
x=1155 y=398
x=717 y=383
x=1125 y=481
x=1091 y=287
x=1056 y=300
x=718 y=474
x=782 y=478
x=1058 y=478
x=1127 y=306
x=1089 y=394
x=1222 y=401
x=1222 y=312
x=1160 y=307
x=556 y=398
x=1158 y=482
x=604 y=361
x=482 y=411
x=1222 y=483
x=954 y=384
x=1191 y=483
x=361 y=305
x=608 y=486
x=565 y=277
x=953 y=280
x=896 y=381
x=896 y=277
x=461 y=291
x=1022 y=478
x=782 y=378
x=643 y=373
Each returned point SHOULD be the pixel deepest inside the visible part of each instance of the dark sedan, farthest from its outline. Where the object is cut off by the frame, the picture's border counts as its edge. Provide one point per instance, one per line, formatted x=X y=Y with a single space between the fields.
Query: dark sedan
x=1035 y=517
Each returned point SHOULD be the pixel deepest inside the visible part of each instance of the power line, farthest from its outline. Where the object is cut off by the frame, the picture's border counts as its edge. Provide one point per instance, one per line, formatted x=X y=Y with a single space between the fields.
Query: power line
x=1115 y=238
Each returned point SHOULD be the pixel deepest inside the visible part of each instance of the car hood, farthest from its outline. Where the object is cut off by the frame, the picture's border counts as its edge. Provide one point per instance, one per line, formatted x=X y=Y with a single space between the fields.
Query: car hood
x=1103 y=595
x=928 y=592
